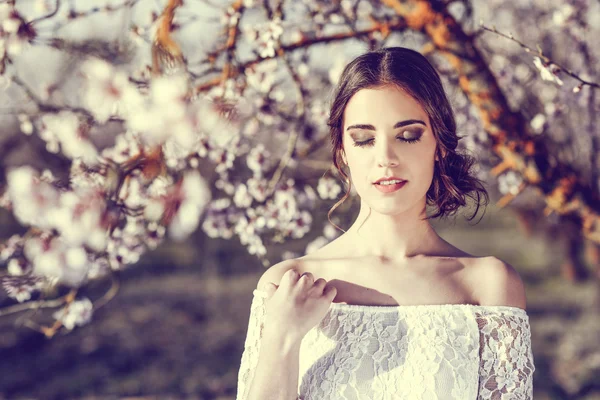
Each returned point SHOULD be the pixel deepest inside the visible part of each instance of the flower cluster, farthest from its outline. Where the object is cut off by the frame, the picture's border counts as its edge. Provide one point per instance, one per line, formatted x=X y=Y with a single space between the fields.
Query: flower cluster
x=77 y=313
x=219 y=145
x=126 y=198
x=510 y=182
x=14 y=33
x=266 y=37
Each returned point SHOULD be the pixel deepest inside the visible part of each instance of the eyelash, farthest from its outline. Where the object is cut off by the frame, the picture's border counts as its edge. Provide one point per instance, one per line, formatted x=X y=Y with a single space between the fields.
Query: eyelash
x=370 y=141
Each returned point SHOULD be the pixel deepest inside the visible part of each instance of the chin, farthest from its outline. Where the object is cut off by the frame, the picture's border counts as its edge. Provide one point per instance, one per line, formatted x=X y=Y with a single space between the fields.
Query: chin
x=389 y=207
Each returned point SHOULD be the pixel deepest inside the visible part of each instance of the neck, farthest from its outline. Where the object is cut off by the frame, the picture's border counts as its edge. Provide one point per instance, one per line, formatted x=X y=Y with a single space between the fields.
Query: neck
x=394 y=237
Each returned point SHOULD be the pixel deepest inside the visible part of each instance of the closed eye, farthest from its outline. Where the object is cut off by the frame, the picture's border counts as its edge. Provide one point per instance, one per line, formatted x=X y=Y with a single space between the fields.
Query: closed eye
x=369 y=142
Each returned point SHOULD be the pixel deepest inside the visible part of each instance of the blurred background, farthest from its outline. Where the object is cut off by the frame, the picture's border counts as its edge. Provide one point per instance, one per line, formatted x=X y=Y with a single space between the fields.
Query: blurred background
x=133 y=278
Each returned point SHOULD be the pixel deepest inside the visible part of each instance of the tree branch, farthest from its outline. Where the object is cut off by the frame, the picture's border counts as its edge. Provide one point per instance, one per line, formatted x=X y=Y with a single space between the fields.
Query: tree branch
x=563 y=190
x=539 y=53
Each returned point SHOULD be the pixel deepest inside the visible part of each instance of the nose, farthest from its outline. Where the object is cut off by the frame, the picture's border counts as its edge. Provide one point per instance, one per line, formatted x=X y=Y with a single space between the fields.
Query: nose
x=386 y=156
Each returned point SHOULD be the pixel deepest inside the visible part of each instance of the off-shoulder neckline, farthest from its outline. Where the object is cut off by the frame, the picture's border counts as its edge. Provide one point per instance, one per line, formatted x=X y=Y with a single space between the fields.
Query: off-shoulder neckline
x=361 y=307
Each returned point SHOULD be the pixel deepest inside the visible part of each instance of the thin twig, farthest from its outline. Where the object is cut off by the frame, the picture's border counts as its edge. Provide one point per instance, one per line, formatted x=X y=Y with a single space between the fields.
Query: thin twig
x=110 y=294
x=52 y=14
x=49 y=108
x=293 y=138
x=35 y=305
x=539 y=53
x=304 y=42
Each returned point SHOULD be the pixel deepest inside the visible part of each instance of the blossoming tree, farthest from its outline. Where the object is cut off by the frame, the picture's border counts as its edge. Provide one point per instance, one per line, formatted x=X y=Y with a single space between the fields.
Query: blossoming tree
x=157 y=118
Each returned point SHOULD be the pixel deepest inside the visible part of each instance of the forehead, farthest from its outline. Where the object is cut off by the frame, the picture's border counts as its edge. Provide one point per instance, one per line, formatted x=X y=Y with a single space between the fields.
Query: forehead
x=382 y=106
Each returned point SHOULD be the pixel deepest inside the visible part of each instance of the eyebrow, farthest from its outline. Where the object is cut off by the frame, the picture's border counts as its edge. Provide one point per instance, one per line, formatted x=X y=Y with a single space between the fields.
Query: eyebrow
x=397 y=125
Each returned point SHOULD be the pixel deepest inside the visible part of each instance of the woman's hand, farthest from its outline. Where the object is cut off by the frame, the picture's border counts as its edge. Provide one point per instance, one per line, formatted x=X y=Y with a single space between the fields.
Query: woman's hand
x=297 y=305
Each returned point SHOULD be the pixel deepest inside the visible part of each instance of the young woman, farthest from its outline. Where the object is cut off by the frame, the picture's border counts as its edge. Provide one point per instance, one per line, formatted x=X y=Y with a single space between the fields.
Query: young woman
x=390 y=310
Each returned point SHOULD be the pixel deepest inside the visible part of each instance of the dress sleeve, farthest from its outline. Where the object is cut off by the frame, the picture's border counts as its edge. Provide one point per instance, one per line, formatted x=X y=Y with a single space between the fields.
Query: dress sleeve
x=506 y=359
x=251 y=344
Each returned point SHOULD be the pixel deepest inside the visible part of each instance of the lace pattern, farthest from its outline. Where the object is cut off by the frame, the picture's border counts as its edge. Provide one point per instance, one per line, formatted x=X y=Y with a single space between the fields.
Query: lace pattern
x=451 y=351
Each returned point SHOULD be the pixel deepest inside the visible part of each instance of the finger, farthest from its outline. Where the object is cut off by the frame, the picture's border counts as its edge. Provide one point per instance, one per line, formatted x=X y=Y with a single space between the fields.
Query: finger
x=319 y=285
x=306 y=280
x=270 y=288
x=290 y=277
x=330 y=292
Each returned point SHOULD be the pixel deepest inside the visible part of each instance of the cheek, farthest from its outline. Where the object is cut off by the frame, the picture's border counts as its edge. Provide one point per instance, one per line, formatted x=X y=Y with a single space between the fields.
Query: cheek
x=424 y=165
x=355 y=171
x=416 y=159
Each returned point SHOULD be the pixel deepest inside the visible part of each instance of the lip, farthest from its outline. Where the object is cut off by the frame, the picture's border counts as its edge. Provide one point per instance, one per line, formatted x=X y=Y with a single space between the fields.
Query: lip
x=390 y=188
x=389 y=178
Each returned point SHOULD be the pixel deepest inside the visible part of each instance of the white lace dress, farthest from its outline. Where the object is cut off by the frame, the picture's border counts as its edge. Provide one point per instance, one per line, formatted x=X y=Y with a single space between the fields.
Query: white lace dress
x=450 y=351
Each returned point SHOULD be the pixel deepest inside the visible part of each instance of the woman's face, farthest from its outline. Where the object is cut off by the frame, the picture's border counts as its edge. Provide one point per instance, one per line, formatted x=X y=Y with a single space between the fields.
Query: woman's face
x=387 y=133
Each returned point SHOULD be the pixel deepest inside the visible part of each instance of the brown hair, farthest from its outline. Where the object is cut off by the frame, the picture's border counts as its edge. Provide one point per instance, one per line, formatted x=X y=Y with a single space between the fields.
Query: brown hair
x=410 y=71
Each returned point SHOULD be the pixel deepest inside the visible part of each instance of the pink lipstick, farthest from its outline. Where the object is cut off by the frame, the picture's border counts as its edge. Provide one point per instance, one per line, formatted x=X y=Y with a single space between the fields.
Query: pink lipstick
x=390 y=188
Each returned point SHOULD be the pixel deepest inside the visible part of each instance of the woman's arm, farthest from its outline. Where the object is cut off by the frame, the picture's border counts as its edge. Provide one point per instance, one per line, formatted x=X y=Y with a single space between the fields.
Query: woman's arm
x=507 y=365
x=270 y=362
x=276 y=375
x=506 y=358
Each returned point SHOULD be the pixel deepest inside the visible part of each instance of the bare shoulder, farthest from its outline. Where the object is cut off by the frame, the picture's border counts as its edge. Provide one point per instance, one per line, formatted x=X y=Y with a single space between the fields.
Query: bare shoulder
x=275 y=272
x=500 y=283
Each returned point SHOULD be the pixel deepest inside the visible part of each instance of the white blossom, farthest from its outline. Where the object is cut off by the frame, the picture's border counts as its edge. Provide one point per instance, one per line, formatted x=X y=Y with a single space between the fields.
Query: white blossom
x=509 y=182
x=83 y=179
x=330 y=231
x=562 y=14
x=256 y=159
x=124 y=247
x=328 y=188
x=538 y=122
x=318 y=112
x=256 y=246
x=316 y=244
x=242 y=198
x=164 y=113
x=29 y=196
x=13 y=245
x=109 y=91
x=25 y=124
x=257 y=187
x=267 y=37
x=77 y=217
x=126 y=146
x=249 y=237
x=159 y=186
x=195 y=195
x=15 y=268
x=225 y=185
x=223 y=159
x=77 y=313
x=11 y=43
x=21 y=288
x=11 y=25
x=300 y=225
x=303 y=69
x=221 y=219
x=285 y=203
x=98 y=267
x=65 y=129
x=56 y=260
x=156 y=233
x=548 y=72
x=261 y=76
x=288 y=255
